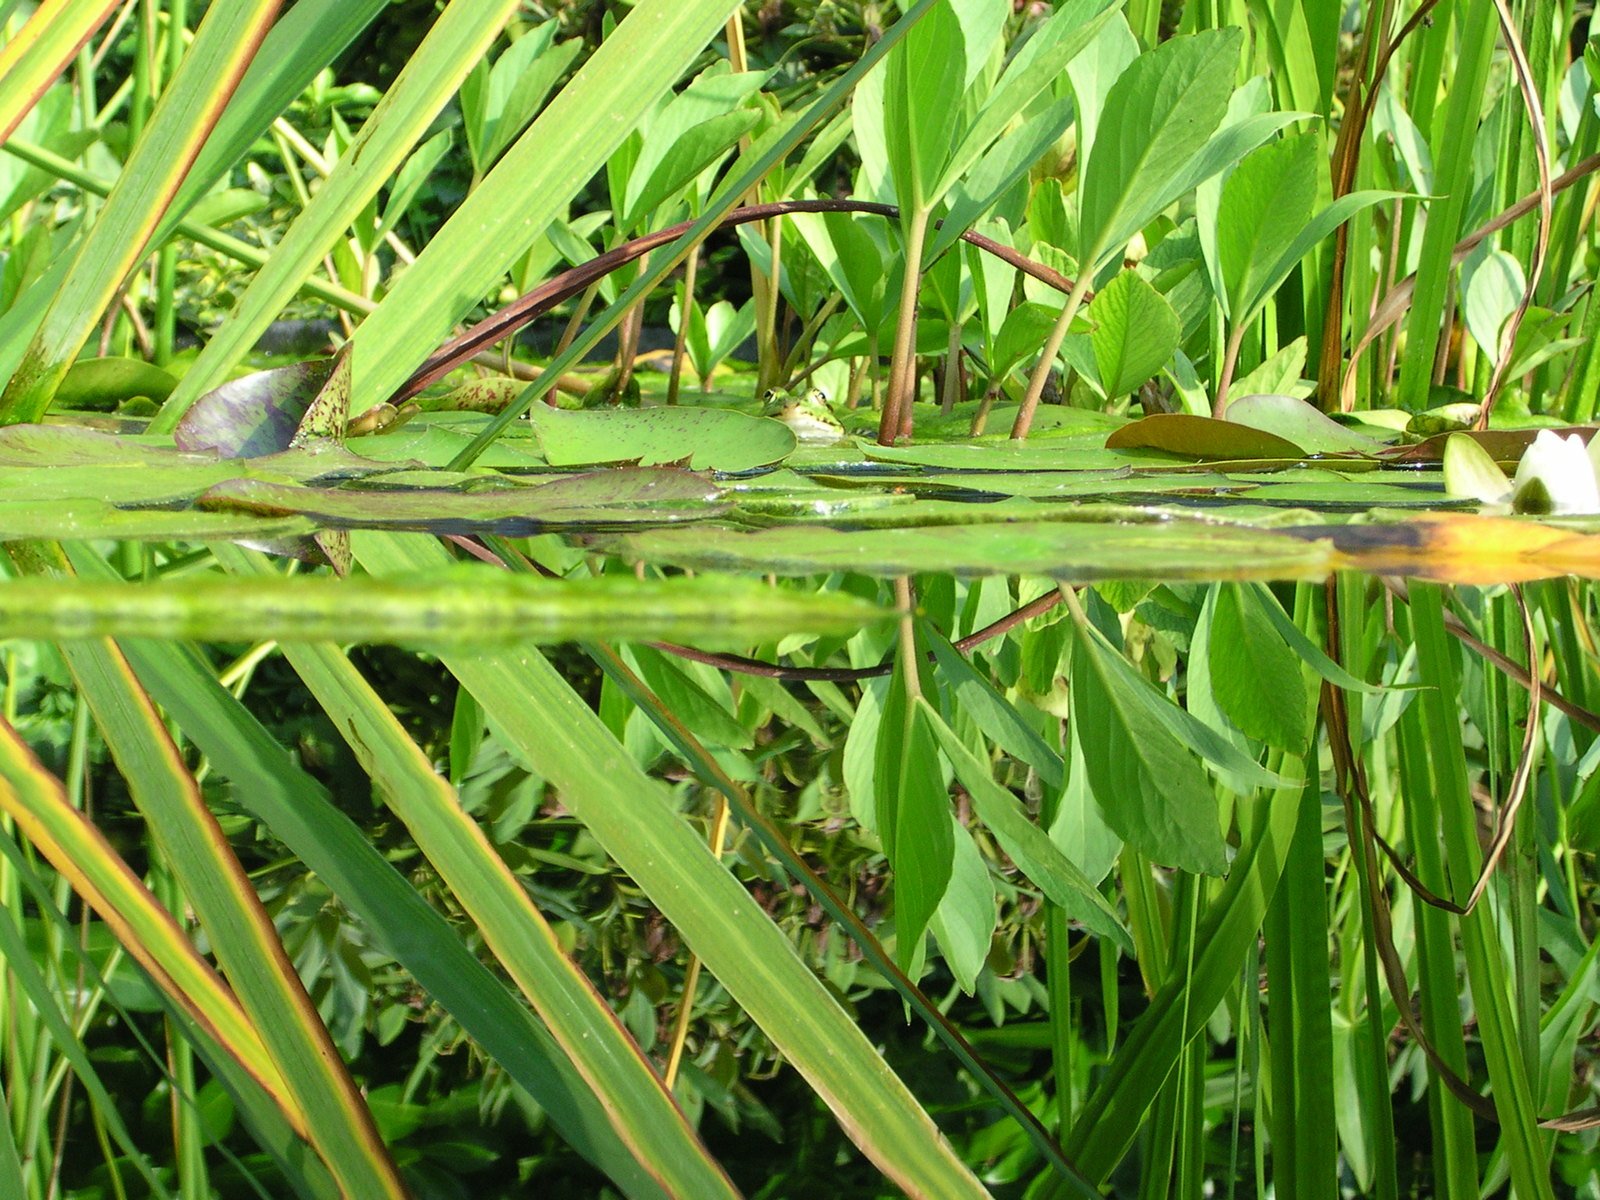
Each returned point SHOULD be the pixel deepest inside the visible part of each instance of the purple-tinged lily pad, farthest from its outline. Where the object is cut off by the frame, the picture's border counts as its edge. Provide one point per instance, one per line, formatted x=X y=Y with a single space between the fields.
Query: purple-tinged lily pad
x=265 y=412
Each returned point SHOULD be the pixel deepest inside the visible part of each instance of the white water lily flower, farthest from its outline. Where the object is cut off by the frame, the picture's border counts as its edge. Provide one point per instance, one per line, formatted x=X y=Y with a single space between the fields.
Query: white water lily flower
x=1556 y=477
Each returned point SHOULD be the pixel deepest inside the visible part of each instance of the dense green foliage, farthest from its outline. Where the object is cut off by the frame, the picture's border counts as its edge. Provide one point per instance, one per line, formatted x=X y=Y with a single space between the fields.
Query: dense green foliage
x=1099 y=770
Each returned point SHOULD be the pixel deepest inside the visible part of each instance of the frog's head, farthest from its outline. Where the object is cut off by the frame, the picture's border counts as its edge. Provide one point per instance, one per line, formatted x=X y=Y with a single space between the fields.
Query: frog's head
x=808 y=415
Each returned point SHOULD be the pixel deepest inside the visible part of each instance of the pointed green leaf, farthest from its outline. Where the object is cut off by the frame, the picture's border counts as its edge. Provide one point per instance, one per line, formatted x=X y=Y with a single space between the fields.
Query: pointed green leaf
x=1135 y=333
x=1158 y=116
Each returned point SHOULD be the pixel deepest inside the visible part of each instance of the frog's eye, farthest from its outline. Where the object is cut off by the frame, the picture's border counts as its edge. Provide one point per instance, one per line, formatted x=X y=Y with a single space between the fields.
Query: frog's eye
x=772 y=394
x=817 y=396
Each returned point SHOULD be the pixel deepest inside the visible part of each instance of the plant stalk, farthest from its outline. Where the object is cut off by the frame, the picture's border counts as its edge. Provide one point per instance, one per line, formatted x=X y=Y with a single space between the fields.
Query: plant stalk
x=1052 y=347
x=897 y=405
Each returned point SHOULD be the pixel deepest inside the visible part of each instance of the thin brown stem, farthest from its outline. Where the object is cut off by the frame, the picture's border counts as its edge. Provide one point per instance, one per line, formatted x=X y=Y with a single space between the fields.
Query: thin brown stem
x=691 y=266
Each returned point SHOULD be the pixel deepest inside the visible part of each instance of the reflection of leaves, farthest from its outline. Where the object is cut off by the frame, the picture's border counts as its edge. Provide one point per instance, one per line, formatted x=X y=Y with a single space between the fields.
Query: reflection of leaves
x=1146 y=781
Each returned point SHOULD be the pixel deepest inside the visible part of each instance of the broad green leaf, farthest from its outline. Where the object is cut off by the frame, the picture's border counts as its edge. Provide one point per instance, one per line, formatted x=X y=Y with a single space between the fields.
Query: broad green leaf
x=530 y=187
x=1024 y=331
x=923 y=78
x=1158 y=116
x=1255 y=676
x=699 y=711
x=498 y=102
x=637 y=822
x=1318 y=228
x=697 y=148
x=1305 y=649
x=964 y=921
x=1092 y=74
x=1050 y=870
x=188 y=109
x=1493 y=284
x=1230 y=925
x=1146 y=782
x=461 y=35
x=1079 y=830
x=1134 y=333
x=704 y=439
x=1032 y=70
x=1279 y=375
x=1006 y=162
x=1265 y=203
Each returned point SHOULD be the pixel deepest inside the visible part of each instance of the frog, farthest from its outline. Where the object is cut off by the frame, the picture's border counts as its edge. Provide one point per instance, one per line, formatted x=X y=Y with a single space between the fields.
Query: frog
x=809 y=416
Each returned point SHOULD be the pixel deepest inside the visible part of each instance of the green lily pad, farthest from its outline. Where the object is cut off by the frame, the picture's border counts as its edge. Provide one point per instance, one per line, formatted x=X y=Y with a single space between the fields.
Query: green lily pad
x=1074 y=552
x=705 y=439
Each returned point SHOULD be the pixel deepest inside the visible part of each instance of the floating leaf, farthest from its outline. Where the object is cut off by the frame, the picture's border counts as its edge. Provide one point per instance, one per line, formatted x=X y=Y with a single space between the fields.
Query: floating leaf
x=256 y=414
x=1077 y=552
x=1298 y=422
x=1202 y=438
x=705 y=439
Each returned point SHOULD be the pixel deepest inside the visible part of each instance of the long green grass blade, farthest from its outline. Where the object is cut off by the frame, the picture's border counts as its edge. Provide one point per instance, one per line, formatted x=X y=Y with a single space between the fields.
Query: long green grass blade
x=530 y=187
x=468 y=605
x=299 y=812
x=37 y=54
x=716 y=916
x=80 y=853
x=643 y=1112
x=456 y=42
x=223 y=46
x=239 y=928
x=1510 y=1086
x=25 y=786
